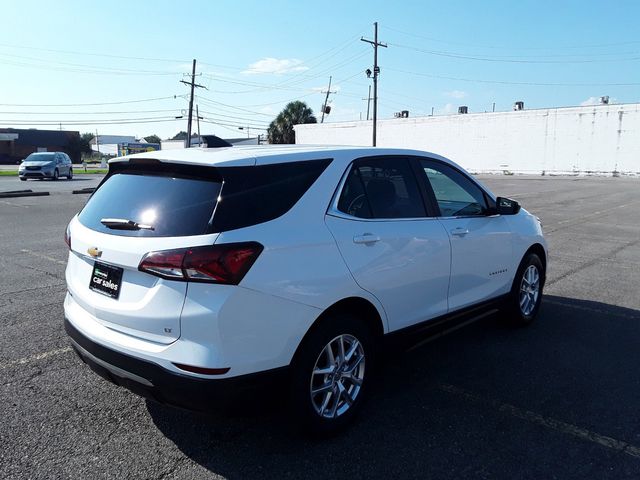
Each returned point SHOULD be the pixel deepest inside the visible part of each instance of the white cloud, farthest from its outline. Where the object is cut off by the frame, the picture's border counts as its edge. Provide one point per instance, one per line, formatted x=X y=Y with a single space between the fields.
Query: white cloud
x=446 y=110
x=276 y=66
x=268 y=110
x=456 y=94
x=590 y=101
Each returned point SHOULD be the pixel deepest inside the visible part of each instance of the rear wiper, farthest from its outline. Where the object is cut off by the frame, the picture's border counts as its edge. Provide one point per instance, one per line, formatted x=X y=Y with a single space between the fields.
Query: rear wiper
x=124 y=224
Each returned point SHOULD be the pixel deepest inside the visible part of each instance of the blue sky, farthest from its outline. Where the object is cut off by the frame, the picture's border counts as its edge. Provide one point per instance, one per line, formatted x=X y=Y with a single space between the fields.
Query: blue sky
x=115 y=66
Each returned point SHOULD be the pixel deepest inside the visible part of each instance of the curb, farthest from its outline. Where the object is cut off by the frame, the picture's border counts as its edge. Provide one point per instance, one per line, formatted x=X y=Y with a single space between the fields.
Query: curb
x=84 y=190
x=22 y=193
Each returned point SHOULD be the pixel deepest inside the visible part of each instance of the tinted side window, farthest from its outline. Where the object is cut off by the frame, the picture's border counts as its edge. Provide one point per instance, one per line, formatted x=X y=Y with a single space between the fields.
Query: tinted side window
x=353 y=200
x=381 y=188
x=456 y=195
x=252 y=195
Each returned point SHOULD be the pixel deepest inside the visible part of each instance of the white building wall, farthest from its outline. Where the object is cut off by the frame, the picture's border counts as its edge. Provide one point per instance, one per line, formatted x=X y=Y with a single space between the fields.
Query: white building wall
x=593 y=139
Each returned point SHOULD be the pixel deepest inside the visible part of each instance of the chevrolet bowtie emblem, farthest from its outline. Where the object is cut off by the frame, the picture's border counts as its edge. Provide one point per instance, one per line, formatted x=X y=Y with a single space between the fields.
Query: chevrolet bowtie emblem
x=94 y=252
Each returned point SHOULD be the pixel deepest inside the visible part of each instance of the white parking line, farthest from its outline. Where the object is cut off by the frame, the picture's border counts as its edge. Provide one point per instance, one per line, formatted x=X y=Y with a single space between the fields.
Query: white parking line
x=34 y=358
x=547 y=422
x=40 y=255
x=14 y=204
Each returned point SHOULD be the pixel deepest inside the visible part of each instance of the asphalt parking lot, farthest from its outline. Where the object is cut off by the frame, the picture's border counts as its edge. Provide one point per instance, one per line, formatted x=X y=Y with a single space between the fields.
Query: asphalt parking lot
x=63 y=185
x=558 y=399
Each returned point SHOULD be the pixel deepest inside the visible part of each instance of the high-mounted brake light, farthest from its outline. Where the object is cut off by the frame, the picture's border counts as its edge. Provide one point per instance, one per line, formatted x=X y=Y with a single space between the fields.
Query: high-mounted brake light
x=67 y=237
x=225 y=263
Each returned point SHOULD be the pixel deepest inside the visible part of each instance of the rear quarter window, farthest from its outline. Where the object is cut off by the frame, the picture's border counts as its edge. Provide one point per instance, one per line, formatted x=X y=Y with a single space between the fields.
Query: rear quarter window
x=253 y=195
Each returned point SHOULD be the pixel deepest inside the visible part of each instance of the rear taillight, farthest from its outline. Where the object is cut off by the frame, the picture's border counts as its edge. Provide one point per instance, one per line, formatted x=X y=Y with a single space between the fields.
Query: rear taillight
x=225 y=263
x=67 y=237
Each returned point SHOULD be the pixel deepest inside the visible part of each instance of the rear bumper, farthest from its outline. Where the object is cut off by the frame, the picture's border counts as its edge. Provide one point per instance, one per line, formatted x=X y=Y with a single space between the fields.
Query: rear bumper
x=156 y=383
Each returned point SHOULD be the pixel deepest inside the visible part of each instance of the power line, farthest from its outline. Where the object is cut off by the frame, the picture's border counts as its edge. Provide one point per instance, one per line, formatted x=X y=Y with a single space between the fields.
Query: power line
x=555 y=47
x=88 y=113
x=71 y=52
x=509 y=60
x=206 y=120
x=77 y=67
x=236 y=117
x=232 y=106
x=502 y=82
x=88 y=104
x=88 y=122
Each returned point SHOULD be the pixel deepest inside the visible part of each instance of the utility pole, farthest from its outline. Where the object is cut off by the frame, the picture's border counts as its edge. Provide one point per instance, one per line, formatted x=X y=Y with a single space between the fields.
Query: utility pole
x=192 y=84
x=376 y=72
x=326 y=99
x=198 y=120
x=97 y=142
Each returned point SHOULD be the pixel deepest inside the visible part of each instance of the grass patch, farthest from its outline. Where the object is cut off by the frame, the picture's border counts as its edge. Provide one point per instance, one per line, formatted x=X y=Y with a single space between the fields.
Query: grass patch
x=14 y=173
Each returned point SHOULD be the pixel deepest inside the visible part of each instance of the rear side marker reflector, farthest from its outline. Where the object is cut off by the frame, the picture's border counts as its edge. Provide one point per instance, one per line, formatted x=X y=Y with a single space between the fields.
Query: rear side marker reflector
x=225 y=263
x=67 y=237
x=202 y=370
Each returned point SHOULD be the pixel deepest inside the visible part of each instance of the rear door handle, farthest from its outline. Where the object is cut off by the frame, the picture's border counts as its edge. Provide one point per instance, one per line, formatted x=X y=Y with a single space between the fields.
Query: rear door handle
x=459 y=231
x=366 y=238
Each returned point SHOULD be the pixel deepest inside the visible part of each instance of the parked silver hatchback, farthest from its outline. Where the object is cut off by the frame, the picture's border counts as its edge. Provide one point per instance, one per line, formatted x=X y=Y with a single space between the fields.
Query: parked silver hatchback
x=46 y=165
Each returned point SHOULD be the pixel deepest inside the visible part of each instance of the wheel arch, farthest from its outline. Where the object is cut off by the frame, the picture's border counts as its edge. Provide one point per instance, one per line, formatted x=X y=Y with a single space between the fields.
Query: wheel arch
x=356 y=306
x=539 y=250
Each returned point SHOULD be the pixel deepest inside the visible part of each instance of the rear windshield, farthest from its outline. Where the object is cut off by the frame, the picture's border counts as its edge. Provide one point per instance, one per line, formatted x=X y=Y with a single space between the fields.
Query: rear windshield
x=174 y=206
x=183 y=201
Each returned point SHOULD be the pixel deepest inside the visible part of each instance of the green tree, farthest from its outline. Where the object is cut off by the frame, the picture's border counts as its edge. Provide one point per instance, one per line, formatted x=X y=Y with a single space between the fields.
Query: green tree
x=181 y=135
x=295 y=113
x=153 y=139
x=85 y=139
x=78 y=145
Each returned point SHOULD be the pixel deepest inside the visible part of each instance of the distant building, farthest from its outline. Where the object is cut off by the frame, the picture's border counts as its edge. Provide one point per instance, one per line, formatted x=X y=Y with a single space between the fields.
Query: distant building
x=137 y=147
x=16 y=144
x=593 y=139
x=108 y=144
x=245 y=141
x=198 y=141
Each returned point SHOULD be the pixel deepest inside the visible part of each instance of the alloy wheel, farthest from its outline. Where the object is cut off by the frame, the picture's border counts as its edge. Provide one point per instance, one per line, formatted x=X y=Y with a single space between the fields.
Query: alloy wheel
x=337 y=376
x=529 y=290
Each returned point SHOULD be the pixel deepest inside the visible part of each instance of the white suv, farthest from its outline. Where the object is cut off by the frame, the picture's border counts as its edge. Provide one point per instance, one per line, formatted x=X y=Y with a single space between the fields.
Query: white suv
x=196 y=275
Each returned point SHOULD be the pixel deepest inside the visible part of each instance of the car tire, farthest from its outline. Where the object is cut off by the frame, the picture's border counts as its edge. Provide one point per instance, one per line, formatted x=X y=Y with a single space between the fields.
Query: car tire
x=23 y=179
x=56 y=174
x=70 y=174
x=525 y=298
x=331 y=374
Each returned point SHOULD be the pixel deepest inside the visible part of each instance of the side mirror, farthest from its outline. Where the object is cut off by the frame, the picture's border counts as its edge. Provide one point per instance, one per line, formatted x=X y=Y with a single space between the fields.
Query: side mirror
x=506 y=206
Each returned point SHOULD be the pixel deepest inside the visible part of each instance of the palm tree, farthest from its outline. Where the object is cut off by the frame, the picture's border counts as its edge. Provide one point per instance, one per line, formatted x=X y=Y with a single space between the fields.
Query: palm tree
x=281 y=129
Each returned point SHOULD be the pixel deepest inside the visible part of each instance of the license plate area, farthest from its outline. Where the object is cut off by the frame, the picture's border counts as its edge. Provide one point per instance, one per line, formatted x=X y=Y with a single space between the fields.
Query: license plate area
x=106 y=279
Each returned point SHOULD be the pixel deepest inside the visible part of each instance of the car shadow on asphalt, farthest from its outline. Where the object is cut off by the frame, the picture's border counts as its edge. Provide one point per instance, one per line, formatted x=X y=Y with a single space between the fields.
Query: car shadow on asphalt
x=439 y=409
